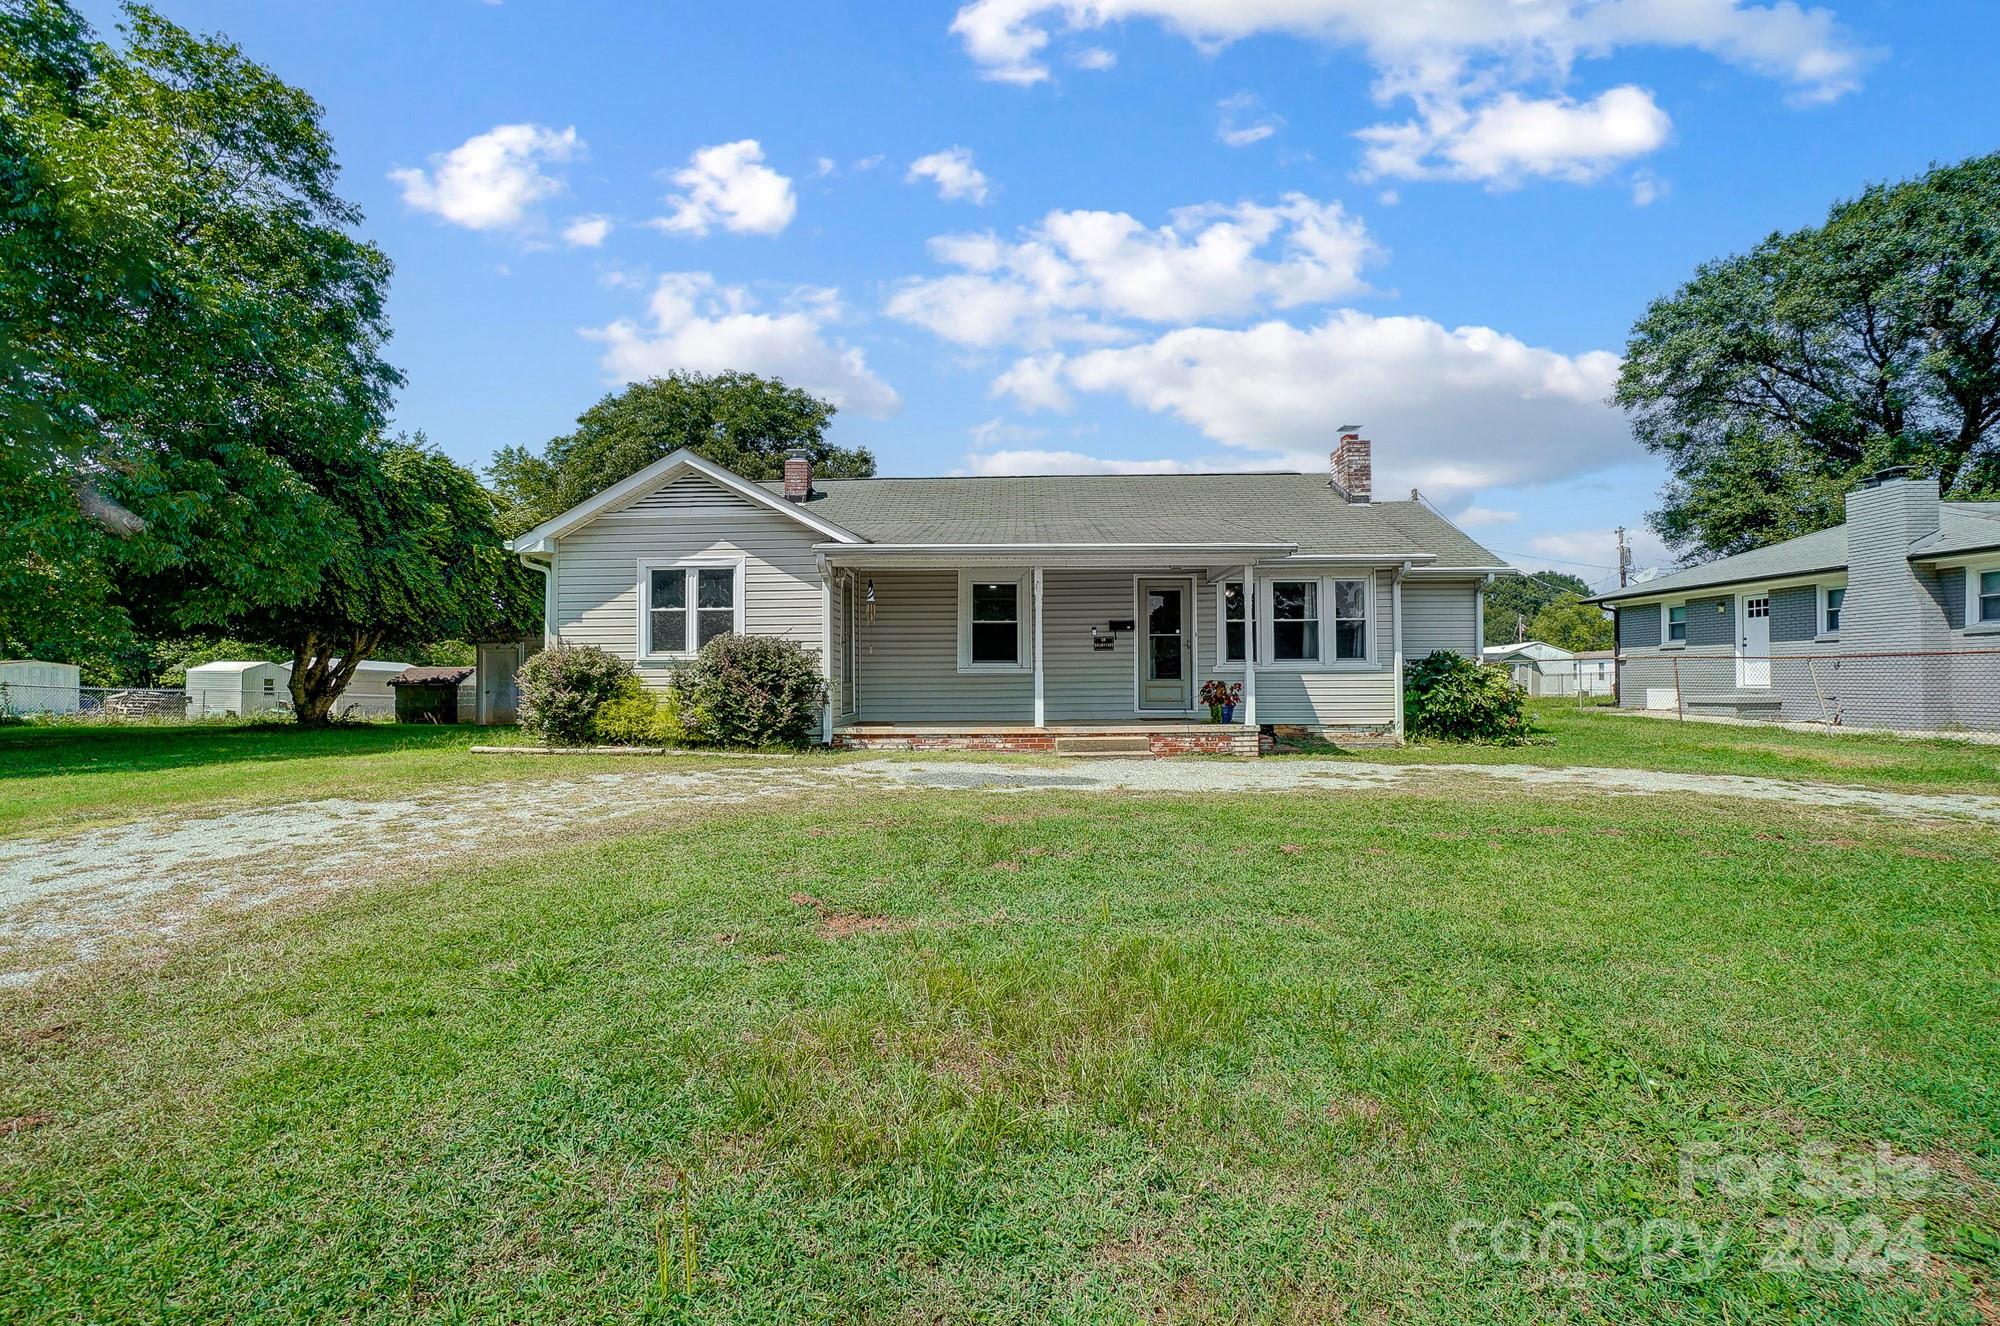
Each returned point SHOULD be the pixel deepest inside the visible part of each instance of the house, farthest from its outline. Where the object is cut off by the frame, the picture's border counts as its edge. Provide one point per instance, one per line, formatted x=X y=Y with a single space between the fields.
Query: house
x=1011 y=612
x=1890 y=619
x=252 y=687
x=1546 y=669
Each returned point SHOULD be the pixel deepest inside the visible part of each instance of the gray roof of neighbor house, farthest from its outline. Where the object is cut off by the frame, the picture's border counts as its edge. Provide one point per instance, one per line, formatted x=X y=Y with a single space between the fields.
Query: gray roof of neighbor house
x=1070 y=509
x=1963 y=527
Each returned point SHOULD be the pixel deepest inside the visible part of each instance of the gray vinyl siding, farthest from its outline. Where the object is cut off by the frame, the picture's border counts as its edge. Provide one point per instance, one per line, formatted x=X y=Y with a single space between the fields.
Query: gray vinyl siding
x=597 y=576
x=837 y=675
x=1077 y=681
x=1348 y=698
x=909 y=658
x=1440 y=616
x=1950 y=587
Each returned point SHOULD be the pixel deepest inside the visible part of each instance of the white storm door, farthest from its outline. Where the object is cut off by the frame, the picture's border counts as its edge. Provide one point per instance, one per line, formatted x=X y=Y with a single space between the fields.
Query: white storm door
x=1753 y=661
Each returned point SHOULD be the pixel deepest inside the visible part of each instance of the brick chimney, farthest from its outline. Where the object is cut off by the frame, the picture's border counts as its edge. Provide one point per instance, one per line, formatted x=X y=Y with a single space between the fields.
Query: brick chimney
x=1353 y=467
x=798 y=476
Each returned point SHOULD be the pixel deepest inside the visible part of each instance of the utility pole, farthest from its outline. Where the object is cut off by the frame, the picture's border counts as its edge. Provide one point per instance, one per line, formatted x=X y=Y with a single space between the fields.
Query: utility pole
x=1624 y=560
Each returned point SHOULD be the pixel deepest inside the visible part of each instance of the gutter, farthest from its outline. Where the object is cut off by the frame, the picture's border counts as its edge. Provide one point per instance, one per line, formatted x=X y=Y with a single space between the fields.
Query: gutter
x=548 y=570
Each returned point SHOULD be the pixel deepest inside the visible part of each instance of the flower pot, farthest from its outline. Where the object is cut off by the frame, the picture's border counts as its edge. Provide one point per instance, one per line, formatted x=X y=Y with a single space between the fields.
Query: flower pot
x=1215 y=713
x=1228 y=713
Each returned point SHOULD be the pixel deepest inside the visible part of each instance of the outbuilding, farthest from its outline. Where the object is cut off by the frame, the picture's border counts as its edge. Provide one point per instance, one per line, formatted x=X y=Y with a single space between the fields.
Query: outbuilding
x=32 y=686
x=237 y=686
x=434 y=695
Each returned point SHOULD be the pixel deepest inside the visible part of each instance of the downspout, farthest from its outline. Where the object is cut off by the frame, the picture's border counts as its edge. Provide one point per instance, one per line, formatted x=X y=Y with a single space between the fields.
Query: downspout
x=548 y=570
x=1396 y=610
x=1479 y=620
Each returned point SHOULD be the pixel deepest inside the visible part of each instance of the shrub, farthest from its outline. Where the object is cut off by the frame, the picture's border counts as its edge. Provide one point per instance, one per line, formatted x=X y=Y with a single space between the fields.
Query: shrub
x=562 y=689
x=636 y=716
x=751 y=690
x=1448 y=697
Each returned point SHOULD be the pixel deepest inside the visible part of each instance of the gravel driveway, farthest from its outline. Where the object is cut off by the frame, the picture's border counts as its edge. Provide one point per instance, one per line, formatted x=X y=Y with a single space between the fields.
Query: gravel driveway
x=63 y=899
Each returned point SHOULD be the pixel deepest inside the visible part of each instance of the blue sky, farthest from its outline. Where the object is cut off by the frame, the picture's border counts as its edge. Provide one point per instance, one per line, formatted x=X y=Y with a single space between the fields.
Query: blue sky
x=1022 y=236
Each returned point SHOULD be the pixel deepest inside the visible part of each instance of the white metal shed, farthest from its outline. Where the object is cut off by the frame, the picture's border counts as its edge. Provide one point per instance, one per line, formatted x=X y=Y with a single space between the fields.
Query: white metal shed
x=237 y=687
x=32 y=686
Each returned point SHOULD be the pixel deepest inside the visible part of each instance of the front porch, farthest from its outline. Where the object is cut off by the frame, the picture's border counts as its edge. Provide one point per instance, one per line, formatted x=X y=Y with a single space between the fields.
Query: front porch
x=1131 y=737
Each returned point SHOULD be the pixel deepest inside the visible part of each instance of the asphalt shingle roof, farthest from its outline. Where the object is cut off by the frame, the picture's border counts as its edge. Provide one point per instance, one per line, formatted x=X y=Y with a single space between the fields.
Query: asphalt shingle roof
x=1963 y=527
x=1139 y=509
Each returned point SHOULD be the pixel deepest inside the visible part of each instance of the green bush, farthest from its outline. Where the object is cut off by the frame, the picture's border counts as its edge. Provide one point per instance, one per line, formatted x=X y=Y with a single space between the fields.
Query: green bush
x=638 y=717
x=1448 y=697
x=751 y=690
x=562 y=689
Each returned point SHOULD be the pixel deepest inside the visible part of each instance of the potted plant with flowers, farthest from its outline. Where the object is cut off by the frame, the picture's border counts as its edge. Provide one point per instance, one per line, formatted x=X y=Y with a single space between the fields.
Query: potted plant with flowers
x=1221 y=699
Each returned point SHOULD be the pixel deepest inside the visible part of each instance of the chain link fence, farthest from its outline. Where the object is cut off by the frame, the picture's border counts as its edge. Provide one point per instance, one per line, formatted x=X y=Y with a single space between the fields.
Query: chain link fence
x=160 y=704
x=1940 y=691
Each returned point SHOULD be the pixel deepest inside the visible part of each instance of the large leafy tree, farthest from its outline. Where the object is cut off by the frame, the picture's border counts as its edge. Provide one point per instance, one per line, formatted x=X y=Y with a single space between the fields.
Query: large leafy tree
x=189 y=333
x=1570 y=623
x=1773 y=381
x=1512 y=603
x=741 y=421
x=416 y=554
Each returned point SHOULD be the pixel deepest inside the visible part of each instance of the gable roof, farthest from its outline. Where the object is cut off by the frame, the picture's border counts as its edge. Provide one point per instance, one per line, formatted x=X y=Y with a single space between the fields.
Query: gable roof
x=659 y=473
x=1071 y=510
x=1962 y=527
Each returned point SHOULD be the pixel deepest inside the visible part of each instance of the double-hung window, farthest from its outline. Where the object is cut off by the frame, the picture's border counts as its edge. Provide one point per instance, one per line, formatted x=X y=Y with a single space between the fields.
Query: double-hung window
x=1677 y=624
x=1986 y=596
x=1350 y=619
x=1295 y=621
x=686 y=606
x=1835 y=597
x=1235 y=621
x=992 y=618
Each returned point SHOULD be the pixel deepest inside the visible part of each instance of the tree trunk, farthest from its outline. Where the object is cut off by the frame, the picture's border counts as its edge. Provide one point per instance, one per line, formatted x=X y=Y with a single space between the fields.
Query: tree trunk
x=318 y=677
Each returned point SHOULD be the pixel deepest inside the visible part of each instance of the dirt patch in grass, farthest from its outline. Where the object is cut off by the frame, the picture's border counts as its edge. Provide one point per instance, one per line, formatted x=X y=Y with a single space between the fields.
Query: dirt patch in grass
x=20 y=1123
x=837 y=925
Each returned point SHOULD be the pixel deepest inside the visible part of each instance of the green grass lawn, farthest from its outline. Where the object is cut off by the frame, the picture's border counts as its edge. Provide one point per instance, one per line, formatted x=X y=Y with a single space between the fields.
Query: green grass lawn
x=1028 y=1058
x=1603 y=738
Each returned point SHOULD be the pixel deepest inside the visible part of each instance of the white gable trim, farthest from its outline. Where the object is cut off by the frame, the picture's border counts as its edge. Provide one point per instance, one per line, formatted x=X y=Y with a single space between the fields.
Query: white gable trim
x=655 y=475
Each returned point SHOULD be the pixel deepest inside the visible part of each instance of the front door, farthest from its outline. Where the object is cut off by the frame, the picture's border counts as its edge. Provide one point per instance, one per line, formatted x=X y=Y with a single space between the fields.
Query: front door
x=1753 y=665
x=1166 y=660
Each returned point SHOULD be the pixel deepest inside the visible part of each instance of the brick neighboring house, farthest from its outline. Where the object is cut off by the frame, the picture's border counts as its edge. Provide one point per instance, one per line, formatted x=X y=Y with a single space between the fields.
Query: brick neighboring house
x=1891 y=620
x=1050 y=612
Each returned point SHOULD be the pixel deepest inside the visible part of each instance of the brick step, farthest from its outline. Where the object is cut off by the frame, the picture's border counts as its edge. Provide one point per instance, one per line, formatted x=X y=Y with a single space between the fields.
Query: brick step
x=1122 y=745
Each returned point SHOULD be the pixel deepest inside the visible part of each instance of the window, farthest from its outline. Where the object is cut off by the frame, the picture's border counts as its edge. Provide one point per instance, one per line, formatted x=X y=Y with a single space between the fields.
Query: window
x=1294 y=620
x=991 y=623
x=1677 y=623
x=1830 y=616
x=1988 y=604
x=1235 y=621
x=686 y=606
x=1350 y=619
x=270 y=686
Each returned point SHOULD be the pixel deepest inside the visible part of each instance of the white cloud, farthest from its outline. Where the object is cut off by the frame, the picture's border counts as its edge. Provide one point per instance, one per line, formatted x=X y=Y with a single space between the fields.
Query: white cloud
x=728 y=185
x=586 y=232
x=1075 y=274
x=1648 y=188
x=1436 y=42
x=1094 y=58
x=1512 y=137
x=1243 y=120
x=1032 y=461
x=825 y=166
x=954 y=174
x=695 y=324
x=1485 y=515
x=491 y=180
x=1456 y=410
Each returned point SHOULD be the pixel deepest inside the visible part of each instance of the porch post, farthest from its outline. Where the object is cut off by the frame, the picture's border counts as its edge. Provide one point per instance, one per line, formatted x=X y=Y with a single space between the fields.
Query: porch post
x=826 y=648
x=1396 y=613
x=1249 y=646
x=1041 y=713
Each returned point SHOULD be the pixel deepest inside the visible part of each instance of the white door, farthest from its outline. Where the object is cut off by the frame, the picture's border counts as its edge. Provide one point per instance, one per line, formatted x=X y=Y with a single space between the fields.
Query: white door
x=1753 y=663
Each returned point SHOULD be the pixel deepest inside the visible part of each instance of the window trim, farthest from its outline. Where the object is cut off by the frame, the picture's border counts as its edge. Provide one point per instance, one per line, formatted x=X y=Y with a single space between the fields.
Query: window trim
x=1827 y=630
x=1267 y=654
x=1972 y=619
x=1667 y=640
x=648 y=565
x=1223 y=664
x=1024 y=609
